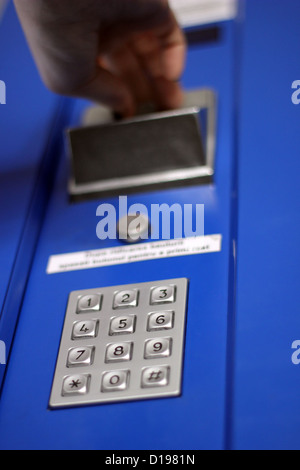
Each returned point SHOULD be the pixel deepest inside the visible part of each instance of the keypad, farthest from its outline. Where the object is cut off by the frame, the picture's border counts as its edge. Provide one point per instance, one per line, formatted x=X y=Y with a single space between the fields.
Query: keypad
x=121 y=343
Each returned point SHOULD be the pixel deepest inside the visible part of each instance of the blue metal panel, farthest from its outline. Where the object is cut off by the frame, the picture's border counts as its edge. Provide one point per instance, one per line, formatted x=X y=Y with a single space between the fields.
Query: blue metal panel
x=240 y=386
x=26 y=121
x=194 y=420
x=266 y=413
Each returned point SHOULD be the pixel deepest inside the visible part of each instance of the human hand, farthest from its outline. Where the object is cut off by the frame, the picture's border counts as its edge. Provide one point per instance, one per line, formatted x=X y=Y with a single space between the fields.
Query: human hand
x=120 y=53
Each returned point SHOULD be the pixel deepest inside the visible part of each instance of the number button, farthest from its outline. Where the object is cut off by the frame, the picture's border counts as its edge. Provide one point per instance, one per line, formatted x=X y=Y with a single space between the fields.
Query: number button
x=76 y=385
x=114 y=381
x=125 y=299
x=122 y=325
x=85 y=329
x=118 y=352
x=162 y=295
x=160 y=347
x=160 y=321
x=155 y=377
x=89 y=303
x=80 y=357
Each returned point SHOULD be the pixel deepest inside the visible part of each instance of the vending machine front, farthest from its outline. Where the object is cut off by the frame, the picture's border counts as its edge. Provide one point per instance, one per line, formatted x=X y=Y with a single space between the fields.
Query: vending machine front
x=129 y=325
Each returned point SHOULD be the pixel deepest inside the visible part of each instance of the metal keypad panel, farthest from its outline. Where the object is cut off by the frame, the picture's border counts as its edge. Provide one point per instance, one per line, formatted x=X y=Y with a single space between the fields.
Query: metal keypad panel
x=121 y=343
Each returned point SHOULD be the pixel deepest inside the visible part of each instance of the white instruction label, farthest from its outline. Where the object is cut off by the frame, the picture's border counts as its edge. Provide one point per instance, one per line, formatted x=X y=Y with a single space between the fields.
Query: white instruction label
x=198 y=12
x=133 y=253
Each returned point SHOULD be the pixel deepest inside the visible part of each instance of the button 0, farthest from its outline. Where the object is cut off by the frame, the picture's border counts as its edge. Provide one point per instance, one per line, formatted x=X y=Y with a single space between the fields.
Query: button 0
x=162 y=295
x=89 y=303
x=155 y=377
x=76 y=385
x=114 y=381
x=125 y=299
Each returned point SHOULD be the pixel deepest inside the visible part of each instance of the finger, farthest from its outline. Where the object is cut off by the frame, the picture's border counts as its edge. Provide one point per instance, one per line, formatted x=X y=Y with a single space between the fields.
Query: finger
x=109 y=90
x=162 y=51
x=146 y=48
x=173 y=51
x=124 y=64
x=167 y=94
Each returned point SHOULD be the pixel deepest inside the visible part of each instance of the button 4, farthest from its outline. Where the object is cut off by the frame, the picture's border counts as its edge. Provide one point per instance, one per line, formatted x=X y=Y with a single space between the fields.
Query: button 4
x=85 y=329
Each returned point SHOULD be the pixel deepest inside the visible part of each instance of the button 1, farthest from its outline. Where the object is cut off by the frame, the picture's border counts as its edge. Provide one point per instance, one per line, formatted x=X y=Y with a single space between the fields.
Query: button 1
x=155 y=377
x=89 y=303
x=114 y=381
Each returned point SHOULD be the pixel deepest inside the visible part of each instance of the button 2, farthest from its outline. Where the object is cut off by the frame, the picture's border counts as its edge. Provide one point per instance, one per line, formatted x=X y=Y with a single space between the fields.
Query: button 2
x=125 y=299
